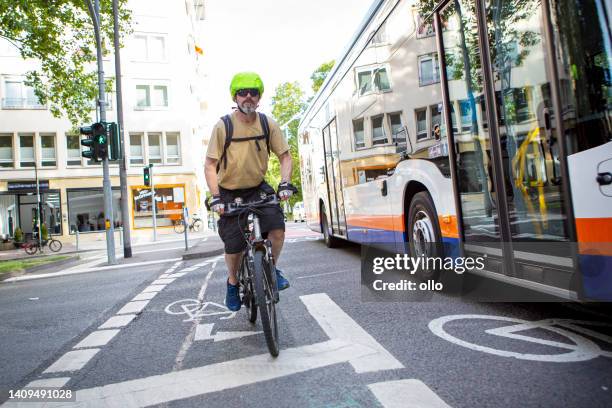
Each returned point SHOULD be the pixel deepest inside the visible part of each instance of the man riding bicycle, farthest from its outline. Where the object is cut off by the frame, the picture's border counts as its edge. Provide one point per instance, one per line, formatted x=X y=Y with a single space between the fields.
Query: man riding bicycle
x=235 y=167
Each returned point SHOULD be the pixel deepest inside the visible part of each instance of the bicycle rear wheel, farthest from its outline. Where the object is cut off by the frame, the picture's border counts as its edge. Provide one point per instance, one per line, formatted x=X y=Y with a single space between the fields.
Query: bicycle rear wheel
x=265 y=300
x=246 y=289
x=197 y=225
x=179 y=228
x=55 y=245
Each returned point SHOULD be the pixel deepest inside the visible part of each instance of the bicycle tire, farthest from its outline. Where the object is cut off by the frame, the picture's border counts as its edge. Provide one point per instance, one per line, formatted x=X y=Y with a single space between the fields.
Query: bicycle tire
x=265 y=301
x=197 y=225
x=31 y=248
x=55 y=245
x=248 y=295
x=179 y=228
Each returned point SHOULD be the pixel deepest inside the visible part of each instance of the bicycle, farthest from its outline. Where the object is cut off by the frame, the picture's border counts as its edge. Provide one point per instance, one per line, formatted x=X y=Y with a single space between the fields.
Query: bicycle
x=195 y=225
x=32 y=247
x=257 y=273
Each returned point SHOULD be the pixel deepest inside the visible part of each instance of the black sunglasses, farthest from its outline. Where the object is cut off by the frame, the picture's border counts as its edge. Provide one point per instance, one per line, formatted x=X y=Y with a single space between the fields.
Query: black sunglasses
x=244 y=92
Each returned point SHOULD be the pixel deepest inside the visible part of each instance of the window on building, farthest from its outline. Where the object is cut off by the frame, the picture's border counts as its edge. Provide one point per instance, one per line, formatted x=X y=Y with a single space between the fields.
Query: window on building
x=26 y=150
x=466 y=115
x=359 y=134
x=421 y=124
x=395 y=123
x=149 y=47
x=454 y=118
x=523 y=102
x=86 y=209
x=19 y=96
x=136 y=150
x=429 y=69
x=169 y=206
x=47 y=144
x=435 y=112
x=6 y=150
x=173 y=148
x=378 y=130
x=424 y=29
x=73 y=147
x=151 y=96
x=155 y=155
x=373 y=80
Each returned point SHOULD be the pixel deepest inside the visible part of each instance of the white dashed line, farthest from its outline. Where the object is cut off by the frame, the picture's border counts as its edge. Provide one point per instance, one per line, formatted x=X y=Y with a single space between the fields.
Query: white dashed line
x=406 y=394
x=72 y=361
x=118 y=321
x=133 y=307
x=58 y=382
x=154 y=288
x=98 y=338
x=145 y=296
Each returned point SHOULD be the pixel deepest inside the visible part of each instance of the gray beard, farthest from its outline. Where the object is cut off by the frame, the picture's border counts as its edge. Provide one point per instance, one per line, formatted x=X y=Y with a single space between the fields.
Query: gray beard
x=248 y=108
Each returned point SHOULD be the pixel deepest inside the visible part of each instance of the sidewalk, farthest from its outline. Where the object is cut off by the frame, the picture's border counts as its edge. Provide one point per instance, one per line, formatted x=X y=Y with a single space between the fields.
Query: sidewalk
x=97 y=242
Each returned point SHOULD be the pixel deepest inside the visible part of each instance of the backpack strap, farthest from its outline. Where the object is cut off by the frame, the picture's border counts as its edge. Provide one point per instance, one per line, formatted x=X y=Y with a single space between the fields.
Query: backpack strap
x=229 y=131
x=265 y=126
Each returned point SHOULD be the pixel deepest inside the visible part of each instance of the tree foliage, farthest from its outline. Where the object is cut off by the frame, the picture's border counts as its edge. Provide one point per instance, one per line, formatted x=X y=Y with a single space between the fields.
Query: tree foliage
x=60 y=35
x=287 y=104
x=319 y=75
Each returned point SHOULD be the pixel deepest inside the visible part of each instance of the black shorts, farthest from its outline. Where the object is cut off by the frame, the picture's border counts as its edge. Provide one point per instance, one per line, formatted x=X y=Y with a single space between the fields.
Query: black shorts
x=231 y=229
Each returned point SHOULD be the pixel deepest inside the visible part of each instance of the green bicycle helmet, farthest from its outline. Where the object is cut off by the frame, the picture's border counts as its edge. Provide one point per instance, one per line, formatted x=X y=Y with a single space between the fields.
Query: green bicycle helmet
x=246 y=80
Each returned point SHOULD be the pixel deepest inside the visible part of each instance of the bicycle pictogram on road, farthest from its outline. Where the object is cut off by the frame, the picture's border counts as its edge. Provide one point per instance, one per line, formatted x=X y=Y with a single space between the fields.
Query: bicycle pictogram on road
x=194 y=309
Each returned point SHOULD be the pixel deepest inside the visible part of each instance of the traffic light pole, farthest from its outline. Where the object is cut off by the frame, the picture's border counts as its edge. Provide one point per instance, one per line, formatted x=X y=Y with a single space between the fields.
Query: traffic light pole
x=125 y=218
x=94 y=10
x=154 y=203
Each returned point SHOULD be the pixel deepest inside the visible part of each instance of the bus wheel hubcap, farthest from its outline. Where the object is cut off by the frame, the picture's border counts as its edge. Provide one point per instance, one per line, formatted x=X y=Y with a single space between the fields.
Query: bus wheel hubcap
x=422 y=234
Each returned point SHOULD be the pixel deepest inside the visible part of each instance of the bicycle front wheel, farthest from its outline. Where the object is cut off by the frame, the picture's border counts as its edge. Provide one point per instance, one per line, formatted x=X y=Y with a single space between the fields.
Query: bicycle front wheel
x=55 y=245
x=179 y=228
x=31 y=249
x=265 y=300
x=197 y=225
x=245 y=276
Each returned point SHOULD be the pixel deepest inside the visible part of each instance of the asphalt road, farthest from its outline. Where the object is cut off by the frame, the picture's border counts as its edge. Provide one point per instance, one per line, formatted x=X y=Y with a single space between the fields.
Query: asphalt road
x=182 y=348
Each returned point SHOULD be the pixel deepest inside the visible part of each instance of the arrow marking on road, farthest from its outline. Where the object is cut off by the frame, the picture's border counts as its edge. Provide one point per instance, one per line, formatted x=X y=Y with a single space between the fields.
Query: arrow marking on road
x=204 y=332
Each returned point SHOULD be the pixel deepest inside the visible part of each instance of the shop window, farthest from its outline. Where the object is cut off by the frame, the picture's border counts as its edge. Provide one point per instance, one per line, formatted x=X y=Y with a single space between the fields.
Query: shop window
x=155 y=154
x=169 y=206
x=26 y=150
x=378 y=131
x=73 y=147
x=421 y=124
x=358 y=133
x=47 y=144
x=136 y=150
x=173 y=148
x=86 y=209
x=6 y=150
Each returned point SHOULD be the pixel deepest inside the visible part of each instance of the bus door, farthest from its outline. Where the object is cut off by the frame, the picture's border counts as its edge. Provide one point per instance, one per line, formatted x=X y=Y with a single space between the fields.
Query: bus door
x=333 y=176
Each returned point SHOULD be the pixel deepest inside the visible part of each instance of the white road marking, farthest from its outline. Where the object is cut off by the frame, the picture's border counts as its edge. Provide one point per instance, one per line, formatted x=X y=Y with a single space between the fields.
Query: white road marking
x=72 y=361
x=195 y=309
x=118 y=321
x=145 y=296
x=133 y=307
x=162 y=282
x=58 y=382
x=154 y=288
x=204 y=332
x=323 y=274
x=339 y=326
x=176 y=275
x=217 y=377
x=98 y=338
x=78 y=271
x=406 y=394
x=581 y=348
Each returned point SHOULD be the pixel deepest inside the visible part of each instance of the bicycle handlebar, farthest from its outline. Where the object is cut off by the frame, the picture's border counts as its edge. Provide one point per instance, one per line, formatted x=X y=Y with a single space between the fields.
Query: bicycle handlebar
x=232 y=208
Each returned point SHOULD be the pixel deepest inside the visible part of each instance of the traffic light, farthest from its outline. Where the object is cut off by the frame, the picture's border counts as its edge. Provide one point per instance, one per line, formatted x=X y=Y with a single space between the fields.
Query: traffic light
x=114 y=142
x=97 y=142
x=147 y=176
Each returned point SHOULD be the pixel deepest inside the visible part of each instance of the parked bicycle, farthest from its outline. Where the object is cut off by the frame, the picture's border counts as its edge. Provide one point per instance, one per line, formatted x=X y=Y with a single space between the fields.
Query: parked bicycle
x=195 y=225
x=257 y=273
x=31 y=247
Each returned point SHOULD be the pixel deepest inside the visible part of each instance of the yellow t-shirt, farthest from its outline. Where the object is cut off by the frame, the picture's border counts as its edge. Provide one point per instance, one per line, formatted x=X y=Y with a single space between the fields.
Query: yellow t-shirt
x=246 y=165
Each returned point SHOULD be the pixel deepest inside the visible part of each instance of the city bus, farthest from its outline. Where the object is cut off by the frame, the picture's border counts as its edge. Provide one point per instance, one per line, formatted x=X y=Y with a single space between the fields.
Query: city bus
x=472 y=128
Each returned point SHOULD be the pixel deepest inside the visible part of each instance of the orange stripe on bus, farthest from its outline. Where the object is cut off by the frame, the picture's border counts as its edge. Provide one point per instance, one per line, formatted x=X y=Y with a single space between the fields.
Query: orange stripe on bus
x=448 y=226
x=382 y=222
x=594 y=229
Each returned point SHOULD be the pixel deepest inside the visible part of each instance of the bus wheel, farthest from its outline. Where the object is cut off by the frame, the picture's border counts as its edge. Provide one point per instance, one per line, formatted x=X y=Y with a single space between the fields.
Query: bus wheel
x=330 y=241
x=424 y=237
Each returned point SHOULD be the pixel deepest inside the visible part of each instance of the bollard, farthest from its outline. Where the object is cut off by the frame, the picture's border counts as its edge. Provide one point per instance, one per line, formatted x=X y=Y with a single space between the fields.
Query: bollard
x=185 y=215
x=77 y=239
x=120 y=229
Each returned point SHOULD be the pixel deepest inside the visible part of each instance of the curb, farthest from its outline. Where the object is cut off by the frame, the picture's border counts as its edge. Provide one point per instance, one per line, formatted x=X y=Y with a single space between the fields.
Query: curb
x=203 y=254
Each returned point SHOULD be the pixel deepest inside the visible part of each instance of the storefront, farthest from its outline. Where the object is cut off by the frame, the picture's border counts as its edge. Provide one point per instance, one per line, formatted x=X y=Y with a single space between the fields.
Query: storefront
x=86 y=209
x=18 y=208
x=170 y=200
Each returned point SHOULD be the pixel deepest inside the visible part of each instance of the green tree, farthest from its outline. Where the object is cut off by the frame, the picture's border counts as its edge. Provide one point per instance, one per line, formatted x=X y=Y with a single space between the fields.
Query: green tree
x=319 y=75
x=287 y=105
x=59 y=34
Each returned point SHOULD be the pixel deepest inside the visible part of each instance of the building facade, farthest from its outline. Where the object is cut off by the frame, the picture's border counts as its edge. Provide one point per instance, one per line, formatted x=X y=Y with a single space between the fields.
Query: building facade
x=162 y=71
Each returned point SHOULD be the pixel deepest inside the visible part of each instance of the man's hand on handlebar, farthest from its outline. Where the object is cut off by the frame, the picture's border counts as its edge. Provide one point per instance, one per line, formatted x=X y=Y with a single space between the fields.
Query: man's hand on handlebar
x=217 y=205
x=286 y=190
